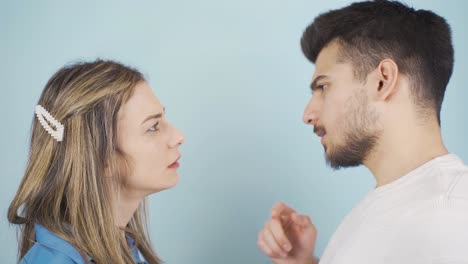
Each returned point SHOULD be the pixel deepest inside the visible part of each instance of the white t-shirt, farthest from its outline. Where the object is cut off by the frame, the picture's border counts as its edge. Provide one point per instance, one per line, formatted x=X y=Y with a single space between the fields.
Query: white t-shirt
x=421 y=218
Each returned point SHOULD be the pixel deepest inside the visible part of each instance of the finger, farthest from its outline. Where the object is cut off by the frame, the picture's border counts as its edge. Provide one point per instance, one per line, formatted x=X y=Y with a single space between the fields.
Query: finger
x=262 y=245
x=286 y=222
x=278 y=232
x=271 y=242
x=281 y=208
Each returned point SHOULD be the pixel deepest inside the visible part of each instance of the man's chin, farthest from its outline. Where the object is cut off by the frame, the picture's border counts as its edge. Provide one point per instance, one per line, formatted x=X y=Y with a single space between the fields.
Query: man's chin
x=337 y=162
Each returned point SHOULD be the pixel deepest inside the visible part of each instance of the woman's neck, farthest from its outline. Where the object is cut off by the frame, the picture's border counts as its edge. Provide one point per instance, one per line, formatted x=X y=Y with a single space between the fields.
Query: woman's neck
x=126 y=206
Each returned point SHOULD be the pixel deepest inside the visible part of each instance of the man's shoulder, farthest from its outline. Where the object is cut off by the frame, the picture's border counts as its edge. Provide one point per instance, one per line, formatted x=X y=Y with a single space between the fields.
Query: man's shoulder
x=451 y=178
x=459 y=188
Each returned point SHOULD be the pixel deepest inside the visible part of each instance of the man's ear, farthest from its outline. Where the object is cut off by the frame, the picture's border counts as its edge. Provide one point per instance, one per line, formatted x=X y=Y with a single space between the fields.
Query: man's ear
x=387 y=77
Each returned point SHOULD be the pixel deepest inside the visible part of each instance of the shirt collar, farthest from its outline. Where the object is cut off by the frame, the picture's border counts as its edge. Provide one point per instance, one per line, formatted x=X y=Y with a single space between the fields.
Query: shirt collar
x=51 y=240
x=134 y=249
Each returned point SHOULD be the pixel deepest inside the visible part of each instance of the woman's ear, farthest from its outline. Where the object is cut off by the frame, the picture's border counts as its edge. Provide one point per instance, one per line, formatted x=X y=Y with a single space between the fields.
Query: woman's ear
x=107 y=170
x=387 y=75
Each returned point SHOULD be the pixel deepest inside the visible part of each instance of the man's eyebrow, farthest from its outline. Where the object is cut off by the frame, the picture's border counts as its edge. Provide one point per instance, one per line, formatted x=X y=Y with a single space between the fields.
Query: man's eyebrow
x=313 y=86
x=156 y=116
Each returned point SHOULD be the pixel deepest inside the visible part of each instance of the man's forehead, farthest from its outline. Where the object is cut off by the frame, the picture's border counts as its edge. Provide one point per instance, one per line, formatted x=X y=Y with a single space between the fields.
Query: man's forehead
x=328 y=61
x=328 y=56
x=323 y=71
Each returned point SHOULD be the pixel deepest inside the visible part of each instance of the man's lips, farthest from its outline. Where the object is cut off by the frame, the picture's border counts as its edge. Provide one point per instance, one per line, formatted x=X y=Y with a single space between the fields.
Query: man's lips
x=320 y=132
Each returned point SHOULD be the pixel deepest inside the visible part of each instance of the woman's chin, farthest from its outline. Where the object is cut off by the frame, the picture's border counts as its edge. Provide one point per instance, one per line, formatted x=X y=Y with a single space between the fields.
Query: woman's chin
x=168 y=184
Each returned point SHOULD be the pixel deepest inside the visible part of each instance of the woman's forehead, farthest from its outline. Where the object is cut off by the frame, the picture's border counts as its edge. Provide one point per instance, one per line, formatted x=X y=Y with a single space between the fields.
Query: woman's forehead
x=142 y=103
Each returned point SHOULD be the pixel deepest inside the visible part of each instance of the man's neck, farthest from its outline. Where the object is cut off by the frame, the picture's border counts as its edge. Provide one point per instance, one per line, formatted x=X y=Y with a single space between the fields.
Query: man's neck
x=402 y=150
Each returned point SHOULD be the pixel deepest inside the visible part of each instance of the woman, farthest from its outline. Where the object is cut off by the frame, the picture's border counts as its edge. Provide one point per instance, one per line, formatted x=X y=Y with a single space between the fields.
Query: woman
x=100 y=144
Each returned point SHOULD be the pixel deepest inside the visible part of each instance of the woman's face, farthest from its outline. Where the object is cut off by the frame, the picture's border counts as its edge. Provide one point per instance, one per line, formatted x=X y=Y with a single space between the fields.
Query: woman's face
x=150 y=142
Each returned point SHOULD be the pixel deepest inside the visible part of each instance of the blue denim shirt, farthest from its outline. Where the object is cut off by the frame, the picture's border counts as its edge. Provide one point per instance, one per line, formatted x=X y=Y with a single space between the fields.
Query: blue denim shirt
x=51 y=249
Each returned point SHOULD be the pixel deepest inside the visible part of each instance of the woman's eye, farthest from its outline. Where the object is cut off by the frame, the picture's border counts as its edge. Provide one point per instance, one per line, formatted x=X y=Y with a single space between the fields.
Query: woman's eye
x=154 y=128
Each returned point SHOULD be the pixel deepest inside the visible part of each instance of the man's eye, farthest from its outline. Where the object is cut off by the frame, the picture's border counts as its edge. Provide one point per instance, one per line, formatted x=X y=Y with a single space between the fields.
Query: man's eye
x=319 y=87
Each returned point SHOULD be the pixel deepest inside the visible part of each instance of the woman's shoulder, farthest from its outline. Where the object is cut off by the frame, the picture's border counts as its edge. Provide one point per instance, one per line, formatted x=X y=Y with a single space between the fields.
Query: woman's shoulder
x=41 y=254
x=49 y=248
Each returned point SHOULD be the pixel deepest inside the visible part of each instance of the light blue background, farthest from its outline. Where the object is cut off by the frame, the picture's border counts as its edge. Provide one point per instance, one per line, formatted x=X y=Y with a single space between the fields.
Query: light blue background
x=234 y=80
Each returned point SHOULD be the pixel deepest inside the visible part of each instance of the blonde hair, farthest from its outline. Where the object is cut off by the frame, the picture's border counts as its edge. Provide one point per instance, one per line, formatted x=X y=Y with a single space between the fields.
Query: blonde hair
x=64 y=187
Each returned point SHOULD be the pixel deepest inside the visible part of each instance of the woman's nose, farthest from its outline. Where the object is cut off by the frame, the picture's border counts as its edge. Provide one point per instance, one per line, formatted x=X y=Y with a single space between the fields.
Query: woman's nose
x=177 y=138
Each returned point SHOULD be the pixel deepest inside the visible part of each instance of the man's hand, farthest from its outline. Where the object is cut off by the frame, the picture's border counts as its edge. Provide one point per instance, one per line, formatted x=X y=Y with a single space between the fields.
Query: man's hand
x=287 y=237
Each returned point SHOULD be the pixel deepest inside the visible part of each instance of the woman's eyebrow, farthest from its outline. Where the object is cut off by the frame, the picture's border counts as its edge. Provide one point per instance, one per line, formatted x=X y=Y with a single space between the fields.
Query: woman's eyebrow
x=156 y=116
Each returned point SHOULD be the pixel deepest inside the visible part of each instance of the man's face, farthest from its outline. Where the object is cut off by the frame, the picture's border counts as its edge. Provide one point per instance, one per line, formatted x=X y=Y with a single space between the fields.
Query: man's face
x=340 y=111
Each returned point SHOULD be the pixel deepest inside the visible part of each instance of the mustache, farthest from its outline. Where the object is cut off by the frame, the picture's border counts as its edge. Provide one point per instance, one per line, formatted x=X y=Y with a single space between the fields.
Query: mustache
x=319 y=128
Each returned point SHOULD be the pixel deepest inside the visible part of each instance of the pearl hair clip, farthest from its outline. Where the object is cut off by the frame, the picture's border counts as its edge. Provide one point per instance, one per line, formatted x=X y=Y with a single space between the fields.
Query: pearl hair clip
x=45 y=118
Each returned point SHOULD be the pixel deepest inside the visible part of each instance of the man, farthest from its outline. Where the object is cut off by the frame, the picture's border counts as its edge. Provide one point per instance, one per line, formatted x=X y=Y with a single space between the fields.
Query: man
x=381 y=73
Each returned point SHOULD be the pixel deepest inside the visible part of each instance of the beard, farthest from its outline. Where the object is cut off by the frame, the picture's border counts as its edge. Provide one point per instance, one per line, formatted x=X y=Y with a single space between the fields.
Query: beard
x=361 y=135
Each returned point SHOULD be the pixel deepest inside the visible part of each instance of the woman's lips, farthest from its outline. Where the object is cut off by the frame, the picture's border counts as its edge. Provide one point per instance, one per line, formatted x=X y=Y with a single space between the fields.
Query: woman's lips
x=175 y=165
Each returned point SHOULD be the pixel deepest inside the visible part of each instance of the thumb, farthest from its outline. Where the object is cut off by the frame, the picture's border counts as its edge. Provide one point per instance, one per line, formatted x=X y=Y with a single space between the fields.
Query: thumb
x=301 y=220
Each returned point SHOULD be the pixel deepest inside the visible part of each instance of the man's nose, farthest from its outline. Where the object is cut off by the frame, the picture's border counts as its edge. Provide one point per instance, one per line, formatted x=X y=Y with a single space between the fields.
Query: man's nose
x=311 y=111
